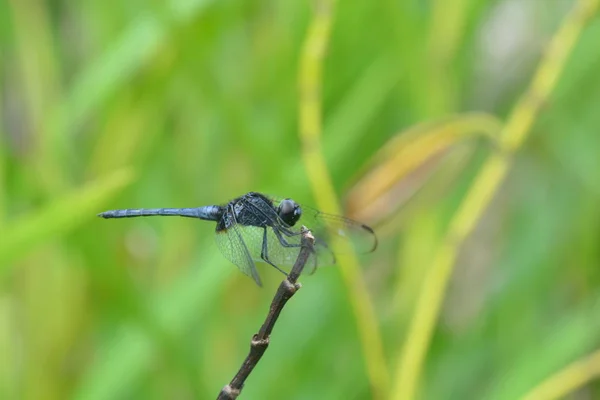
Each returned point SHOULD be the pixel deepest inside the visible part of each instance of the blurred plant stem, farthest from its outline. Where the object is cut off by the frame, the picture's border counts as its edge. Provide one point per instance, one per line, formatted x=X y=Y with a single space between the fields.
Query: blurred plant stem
x=409 y=150
x=310 y=81
x=3 y=164
x=478 y=197
x=40 y=67
x=568 y=380
x=447 y=28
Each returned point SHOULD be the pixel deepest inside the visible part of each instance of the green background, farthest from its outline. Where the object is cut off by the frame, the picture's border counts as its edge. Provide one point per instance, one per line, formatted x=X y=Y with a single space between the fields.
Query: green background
x=184 y=103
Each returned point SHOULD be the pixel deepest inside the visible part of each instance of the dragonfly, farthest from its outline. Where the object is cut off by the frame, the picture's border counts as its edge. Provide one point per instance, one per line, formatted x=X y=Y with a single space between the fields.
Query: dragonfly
x=259 y=228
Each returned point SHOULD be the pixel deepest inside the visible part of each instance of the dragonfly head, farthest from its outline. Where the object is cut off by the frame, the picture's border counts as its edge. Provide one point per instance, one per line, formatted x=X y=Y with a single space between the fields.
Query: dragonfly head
x=289 y=211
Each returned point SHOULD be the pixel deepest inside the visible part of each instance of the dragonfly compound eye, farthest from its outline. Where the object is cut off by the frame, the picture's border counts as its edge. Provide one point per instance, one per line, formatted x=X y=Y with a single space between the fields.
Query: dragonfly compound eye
x=289 y=211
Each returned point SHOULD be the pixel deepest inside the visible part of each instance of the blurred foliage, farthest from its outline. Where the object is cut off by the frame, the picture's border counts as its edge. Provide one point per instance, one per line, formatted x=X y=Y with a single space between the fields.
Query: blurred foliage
x=192 y=102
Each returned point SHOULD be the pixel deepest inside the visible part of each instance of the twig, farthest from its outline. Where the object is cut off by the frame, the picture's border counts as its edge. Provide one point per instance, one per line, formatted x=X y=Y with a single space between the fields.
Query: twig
x=260 y=341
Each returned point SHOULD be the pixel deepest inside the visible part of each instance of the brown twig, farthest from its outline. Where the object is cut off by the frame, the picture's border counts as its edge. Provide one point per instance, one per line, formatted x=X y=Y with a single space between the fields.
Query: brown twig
x=260 y=341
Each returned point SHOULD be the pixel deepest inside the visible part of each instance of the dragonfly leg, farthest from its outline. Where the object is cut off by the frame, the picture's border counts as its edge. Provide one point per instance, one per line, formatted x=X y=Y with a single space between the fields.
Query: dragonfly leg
x=285 y=243
x=282 y=240
x=289 y=232
x=264 y=254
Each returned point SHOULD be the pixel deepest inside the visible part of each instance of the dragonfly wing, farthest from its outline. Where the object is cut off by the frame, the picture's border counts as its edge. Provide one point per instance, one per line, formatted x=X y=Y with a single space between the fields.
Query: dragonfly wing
x=283 y=250
x=324 y=226
x=231 y=243
x=322 y=256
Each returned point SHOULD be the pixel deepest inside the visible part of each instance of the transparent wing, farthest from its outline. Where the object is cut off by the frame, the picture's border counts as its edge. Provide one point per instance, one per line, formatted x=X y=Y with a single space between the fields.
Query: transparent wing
x=325 y=225
x=323 y=255
x=282 y=250
x=231 y=244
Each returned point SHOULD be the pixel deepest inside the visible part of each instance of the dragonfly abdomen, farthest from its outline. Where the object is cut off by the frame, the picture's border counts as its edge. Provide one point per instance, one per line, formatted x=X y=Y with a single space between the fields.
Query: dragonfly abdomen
x=209 y=213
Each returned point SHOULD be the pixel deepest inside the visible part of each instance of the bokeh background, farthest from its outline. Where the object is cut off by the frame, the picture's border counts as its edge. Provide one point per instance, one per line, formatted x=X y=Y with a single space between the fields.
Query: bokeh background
x=485 y=284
